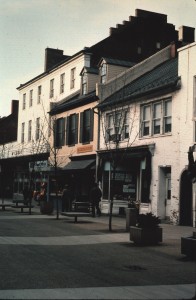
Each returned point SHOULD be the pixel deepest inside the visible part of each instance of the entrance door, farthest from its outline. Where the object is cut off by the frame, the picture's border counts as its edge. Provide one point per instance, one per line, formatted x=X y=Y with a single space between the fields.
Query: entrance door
x=164 y=201
x=186 y=195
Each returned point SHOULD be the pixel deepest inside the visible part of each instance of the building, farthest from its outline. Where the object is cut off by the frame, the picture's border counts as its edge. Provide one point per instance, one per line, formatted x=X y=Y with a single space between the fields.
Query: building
x=144 y=142
x=66 y=88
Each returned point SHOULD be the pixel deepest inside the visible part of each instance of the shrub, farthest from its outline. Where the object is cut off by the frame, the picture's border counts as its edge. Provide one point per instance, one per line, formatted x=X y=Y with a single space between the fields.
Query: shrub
x=148 y=221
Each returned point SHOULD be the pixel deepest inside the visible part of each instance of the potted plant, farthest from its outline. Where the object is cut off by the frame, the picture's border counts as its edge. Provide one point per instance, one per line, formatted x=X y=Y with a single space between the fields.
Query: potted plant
x=147 y=230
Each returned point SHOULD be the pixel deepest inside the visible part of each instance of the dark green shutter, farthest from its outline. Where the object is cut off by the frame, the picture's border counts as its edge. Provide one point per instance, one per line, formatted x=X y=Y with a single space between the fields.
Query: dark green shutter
x=91 y=124
x=67 y=131
x=76 y=131
x=81 y=126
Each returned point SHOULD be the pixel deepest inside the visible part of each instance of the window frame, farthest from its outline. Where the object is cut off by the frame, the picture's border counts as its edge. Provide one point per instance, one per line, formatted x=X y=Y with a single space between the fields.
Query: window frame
x=37 y=129
x=103 y=73
x=84 y=83
x=72 y=78
x=62 y=83
x=30 y=130
x=86 y=126
x=59 y=133
x=23 y=132
x=30 y=98
x=24 y=102
x=154 y=117
x=39 y=92
x=117 y=125
x=51 y=88
x=72 y=131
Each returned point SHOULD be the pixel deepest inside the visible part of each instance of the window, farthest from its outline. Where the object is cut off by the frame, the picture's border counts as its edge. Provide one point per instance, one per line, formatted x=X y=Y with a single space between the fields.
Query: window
x=62 y=83
x=73 y=74
x=59 y=133
x=103 y=73
x=30 y=130
x=72 y=130
x=39 y=92
x=84 y=84
x=139 y=50
x=158 y=45
x=86 y=126
x=37 y=131
x=24 y=101
x=51 y=88
x=117 y=126
x=22 y=132
x=30 y=98
x=156 y=118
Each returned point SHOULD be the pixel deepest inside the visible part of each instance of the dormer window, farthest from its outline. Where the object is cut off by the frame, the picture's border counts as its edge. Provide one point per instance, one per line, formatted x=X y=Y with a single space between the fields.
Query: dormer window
x=84 y=84
x=103 y=72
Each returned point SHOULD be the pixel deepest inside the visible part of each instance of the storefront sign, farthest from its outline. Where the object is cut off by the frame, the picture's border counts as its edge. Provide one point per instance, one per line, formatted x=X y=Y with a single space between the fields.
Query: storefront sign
x=84 y=149
x=38 y=165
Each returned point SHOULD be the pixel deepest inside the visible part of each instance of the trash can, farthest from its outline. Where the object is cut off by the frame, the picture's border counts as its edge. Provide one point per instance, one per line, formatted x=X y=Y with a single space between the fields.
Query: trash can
x=131 y=217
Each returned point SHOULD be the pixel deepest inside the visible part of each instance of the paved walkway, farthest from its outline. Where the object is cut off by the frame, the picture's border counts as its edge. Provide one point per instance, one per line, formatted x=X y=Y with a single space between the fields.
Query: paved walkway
x=182 y=291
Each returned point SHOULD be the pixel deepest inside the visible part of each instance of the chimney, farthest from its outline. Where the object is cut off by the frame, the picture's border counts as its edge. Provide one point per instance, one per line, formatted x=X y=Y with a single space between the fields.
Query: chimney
x=14 y=107
x=52 y=57
x=186 y=34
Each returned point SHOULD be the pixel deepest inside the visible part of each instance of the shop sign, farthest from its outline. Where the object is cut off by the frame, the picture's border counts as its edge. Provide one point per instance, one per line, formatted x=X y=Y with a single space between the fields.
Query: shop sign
x=38 y=165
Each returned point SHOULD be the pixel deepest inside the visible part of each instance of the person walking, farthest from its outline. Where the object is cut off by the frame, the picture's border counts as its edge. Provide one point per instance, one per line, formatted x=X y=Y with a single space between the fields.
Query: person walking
x=95 y=198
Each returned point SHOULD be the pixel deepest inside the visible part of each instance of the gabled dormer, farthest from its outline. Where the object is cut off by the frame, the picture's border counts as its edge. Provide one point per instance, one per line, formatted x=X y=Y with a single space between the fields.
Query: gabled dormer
x=89 y=78
x=109 y=68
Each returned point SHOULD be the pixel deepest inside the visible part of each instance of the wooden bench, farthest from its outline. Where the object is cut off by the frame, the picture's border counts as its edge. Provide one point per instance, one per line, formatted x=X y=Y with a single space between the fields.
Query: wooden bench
x=22 y=206
x=76 y=214
x=3 y=206
x=18 y=201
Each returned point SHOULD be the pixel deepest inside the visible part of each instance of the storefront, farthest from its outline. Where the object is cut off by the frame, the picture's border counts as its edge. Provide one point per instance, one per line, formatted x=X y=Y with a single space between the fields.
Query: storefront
x=125 y=178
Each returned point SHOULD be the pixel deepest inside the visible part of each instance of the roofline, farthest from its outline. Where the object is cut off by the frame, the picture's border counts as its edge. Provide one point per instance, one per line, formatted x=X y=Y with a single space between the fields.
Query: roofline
x=57 y=66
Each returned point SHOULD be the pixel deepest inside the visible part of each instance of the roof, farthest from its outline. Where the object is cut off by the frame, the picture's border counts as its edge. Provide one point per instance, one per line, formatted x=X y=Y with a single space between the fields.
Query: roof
x=71 y=102
x=117 y=62
x=90 y=70
x=161 y=77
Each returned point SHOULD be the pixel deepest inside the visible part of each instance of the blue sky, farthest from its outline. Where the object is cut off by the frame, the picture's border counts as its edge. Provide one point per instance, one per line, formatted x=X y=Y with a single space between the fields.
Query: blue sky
x=27 y=27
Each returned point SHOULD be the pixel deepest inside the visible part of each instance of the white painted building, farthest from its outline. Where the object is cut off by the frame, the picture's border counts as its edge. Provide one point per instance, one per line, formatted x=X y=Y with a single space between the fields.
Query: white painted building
x=158 y=96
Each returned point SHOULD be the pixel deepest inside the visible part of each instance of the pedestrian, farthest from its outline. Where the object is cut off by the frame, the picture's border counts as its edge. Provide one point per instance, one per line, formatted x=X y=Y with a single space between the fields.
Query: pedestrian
x=95 y=198
x=66 y=199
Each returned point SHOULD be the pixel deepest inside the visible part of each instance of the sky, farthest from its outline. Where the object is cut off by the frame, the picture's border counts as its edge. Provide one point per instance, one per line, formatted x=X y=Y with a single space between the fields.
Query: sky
x=27 y=27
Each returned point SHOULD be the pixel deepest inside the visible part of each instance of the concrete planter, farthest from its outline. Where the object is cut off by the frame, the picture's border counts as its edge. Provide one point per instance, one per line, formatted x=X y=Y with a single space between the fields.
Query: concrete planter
x=131 y=217
x=46 y=208
x=146 y=236
x=188 y=246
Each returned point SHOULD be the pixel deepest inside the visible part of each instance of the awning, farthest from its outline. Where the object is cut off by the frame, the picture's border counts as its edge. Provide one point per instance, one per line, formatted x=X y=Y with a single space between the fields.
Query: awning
x=79 y=165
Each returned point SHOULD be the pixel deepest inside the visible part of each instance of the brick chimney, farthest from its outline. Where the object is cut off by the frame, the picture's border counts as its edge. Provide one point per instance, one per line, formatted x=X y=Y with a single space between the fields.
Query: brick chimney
x=53 y=57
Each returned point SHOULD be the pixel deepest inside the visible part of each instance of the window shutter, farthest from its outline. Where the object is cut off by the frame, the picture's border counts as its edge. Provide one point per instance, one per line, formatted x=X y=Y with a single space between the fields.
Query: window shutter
x=81 y=126
x=63 y=132
x=54 y=133
x=91 y=124
x=76 y=132
x=67 y=131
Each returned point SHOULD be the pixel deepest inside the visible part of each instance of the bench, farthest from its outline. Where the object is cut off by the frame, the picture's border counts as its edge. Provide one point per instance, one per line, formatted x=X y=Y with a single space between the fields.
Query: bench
x=17 y=201
x=3 y=206
x=76 y=214
x=81 y=206
x=22 y=206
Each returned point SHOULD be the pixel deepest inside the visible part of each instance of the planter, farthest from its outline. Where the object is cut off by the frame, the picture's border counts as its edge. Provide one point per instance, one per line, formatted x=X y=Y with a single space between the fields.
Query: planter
x=146 y=236
x=46 y=208
x=188 y=246
x=131 y=217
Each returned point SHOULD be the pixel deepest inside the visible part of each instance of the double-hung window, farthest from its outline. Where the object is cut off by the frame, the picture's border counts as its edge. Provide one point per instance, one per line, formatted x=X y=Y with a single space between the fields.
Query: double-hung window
x=22 y=132
x=103 y=73
x=72 y=130
x=86 y=126
x=39 y=92
x=62 y=83
x=72 y=79
x=30 y=98
x=37 y=130
x=60 y=132
x=24 y=101
x=51 y=88
x=84 y=84
x=156 y=118
x=30 y=130
x=117 y=126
